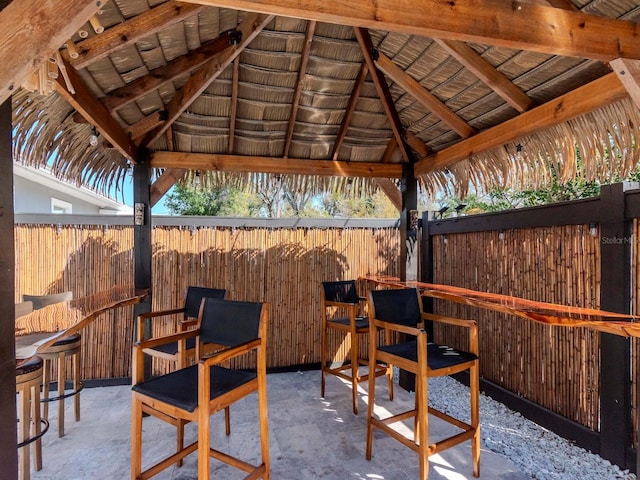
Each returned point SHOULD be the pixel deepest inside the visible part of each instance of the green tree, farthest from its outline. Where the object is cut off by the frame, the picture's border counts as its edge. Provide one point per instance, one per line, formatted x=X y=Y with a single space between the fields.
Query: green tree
x=218 y=201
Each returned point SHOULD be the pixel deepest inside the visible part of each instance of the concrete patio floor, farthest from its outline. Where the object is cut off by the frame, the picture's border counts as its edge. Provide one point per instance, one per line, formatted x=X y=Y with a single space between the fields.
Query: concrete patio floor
x=310 y=438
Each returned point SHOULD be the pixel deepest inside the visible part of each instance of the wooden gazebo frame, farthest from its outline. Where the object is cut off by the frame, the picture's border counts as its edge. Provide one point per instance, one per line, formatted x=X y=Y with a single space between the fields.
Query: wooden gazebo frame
x=33 y=32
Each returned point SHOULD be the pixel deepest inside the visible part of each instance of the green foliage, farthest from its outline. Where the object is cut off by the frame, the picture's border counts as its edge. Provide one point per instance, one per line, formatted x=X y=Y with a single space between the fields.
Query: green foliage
x=220 y=201
x=377 y=205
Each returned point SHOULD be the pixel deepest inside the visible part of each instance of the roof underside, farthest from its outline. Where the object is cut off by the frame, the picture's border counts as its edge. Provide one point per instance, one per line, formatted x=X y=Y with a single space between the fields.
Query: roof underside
x=315 y=103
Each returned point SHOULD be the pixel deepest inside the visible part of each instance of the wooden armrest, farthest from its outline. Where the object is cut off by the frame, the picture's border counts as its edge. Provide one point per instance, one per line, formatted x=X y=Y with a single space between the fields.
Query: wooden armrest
x=472 y=325
x=229 y=353
x=173 y=337
x=161 y=313
x=149 y=315
x=415 y=331
x=328 y=303
x=187 y=323
x=460 y=322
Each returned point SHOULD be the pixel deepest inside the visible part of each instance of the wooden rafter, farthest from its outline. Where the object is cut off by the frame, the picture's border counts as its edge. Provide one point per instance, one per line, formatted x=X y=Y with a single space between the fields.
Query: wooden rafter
x=302 y=72
x=366 y=45
x=233 y=110
x=596 y=94
x=164 y=182
x=83 y=100
x=518 y=25
x=138 y=130
x=31 y=31
x=250 y=26
x=628 y=72
x=424 y=97
x=130 y=31
x=488 y=74
x=351 y=107
x=244 y=163
x=388 y=152
x=391 y=191
x=160 y=76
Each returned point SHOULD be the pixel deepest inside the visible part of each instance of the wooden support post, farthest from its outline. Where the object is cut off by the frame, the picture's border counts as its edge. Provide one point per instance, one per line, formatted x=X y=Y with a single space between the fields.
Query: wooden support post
x=616 y=430
x=142 y=240
x=409 y=191
x=8 y=443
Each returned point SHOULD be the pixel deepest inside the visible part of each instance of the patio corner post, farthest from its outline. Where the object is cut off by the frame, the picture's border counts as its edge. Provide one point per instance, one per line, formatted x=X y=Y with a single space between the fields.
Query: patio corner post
x=8 y=432
x=142 y=239
x=616 y=429
x=409 y=191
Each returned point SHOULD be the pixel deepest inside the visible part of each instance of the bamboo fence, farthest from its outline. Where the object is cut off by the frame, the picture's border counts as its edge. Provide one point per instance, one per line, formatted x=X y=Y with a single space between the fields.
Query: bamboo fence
x=555 y=367
x=282 y=266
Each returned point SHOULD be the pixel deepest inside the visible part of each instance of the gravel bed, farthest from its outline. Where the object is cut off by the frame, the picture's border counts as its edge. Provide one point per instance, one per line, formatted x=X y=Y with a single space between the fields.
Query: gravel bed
x=539 y=452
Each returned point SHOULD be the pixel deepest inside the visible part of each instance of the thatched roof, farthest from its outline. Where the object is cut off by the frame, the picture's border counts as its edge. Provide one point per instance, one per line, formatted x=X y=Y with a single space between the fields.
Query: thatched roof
x=471 y=93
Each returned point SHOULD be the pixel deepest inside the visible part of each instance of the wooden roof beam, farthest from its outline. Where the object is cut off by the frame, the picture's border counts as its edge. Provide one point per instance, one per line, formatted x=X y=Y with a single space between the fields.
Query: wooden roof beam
x=302 y=72
x=31 y=31
x=251 y=25
x=424 y=97
x=351 y=107
x=233 y=110
x=160 y=76
x=518 y=25
x=130 y=31
x=391 y=191
x=596 y=94
x=488 y=74
x=366 y=45
x=628 y=72
x=164 y=182
x=285 y=166
x=83 y=100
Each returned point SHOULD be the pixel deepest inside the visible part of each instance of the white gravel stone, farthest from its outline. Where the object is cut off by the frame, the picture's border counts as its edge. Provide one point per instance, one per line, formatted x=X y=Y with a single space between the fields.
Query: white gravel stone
x=539 y=452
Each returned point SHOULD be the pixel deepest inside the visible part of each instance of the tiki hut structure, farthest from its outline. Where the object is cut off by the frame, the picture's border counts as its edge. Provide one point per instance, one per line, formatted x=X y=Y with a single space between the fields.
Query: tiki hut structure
x=393 y=95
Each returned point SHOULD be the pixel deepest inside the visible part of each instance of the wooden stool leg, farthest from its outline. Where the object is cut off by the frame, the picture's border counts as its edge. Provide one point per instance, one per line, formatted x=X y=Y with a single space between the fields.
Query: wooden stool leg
x=352 y=339
x=37 y=427
x=76 y=383
x=45 y=388
x=23 y=433
x=61 y=376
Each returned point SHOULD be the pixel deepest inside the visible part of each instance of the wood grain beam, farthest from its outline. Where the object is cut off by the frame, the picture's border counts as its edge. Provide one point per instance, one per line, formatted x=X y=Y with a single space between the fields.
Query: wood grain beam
x=391 y=191
x=233 y=110
x=31 y=31
x=351 y=107
x=130 y=31
x=596 y=94
x=164 y=183
x=302 y=73
x=250 y=27
x=138 y=130
x=366 y=45
x=244 y=163
x=628 y=72
x=488 y=74
x=518 y=24
x=83 y=100
x=160 y=76
x=424 y=97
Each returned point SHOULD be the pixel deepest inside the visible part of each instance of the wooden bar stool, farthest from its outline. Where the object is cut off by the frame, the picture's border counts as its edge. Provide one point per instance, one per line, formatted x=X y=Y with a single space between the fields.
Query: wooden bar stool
x=57 y=354
x=30 y=428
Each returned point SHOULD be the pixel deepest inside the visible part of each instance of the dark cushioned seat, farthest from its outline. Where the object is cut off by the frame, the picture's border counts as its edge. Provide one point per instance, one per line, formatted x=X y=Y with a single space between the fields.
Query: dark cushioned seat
x=180 y=388
x=438 y=356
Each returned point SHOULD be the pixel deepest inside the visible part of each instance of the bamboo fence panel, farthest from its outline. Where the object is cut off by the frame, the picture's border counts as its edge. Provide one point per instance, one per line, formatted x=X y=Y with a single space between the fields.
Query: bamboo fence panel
x=282 y=266
x=555 y=367
x=82 y=259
